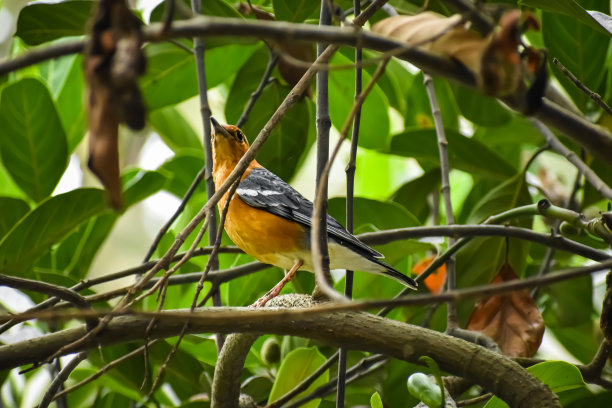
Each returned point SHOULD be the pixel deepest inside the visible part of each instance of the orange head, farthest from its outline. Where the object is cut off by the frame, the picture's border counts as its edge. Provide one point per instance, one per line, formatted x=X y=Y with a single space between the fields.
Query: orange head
x=229 y=144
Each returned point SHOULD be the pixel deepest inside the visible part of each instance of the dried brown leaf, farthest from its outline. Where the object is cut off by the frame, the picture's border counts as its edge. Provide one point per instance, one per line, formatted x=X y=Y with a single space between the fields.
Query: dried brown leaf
x=495 y=60
x=114 y=61
x=512 y=319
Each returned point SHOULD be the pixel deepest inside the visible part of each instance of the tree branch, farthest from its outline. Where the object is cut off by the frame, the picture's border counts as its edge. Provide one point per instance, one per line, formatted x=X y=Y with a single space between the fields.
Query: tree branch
x=360 y=331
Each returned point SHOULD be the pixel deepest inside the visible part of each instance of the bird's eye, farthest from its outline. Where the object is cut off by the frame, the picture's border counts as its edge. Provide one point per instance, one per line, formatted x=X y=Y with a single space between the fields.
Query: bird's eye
x=239 y=135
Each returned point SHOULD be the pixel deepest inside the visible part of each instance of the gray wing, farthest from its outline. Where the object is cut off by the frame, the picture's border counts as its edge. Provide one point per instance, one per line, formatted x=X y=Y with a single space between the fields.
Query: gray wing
x=265 y=190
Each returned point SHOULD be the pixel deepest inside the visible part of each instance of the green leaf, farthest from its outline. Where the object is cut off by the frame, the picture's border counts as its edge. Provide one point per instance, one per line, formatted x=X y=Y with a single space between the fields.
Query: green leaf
x=374 y=127
x=174 y=129
x=414 y=195
x=181 y=170
x=559 y=376
x=140 y=184
x=74 y=256
x=569 y=8
x=288 y=142
x=581 y=49
x=47 y=224
x=171 y=75
x=568 y=303
x=70 y=106
x=376 y=401
x=41 y=22
x=464 y=153
x=32 y=140
x=481 y=258
x=418 y=111
x=426 y=389
x=218 y=8
x=295 y=11
x=480 y=109
x=297 y=366
x=12 y=211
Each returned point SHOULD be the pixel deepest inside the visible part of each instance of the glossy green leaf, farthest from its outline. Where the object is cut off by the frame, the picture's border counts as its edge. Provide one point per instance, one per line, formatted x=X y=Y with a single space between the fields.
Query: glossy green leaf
x=47 y=224
x=568 y=303
x=32 y=140
x=464 y=153
x=70 y=104
x=140 y=184
x=288 y=142
x=64 y=77
x=297 y=366
x=42 y=22
x=218 y=8
x=480 y=259
x=12 y=211
x=580 y=48
x=171 y=76
x=580 y=340
x=74 y=256
x=559 y=376
x=426 y=389
x=295 y=10
x=174 y=129
x=569 y=8
x=418 y=109
x=374 y=127
x=480 y=109
x=181 y=170
x=376 y=401
x=415 y=194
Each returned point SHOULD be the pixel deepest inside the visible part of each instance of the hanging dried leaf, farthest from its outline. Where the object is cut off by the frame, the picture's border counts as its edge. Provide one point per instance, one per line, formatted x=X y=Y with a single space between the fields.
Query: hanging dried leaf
x=605 y=321
x=114 y=61
x=512 y=319
x=294 y=58
x=435 y=281
x=495 y=60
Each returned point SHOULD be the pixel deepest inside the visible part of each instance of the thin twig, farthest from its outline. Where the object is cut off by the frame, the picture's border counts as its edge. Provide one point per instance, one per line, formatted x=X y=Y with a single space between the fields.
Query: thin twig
x=265 y=80
x=320 y=252
x=104 y=369
x=305 y=383
x=160 y=234
x=350 y=192
x=475 y=400
x=600 y=186
x=451 y=316
x=198 y=47
x=61 y=378
x=593 y=95
x=322 y=187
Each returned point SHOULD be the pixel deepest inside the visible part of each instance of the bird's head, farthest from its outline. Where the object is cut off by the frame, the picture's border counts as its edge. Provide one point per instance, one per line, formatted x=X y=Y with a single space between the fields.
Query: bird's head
x=228 y=142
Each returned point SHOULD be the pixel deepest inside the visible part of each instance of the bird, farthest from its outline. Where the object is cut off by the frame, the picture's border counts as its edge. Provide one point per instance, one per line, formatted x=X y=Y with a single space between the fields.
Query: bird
x=269 y=220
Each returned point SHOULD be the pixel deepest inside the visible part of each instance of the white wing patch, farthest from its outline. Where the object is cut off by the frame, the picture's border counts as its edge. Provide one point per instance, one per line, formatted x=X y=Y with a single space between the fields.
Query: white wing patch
x=254 y=193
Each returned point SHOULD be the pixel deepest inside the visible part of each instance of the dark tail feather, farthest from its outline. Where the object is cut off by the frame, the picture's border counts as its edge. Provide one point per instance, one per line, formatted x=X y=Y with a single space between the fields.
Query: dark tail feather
x=395 y=274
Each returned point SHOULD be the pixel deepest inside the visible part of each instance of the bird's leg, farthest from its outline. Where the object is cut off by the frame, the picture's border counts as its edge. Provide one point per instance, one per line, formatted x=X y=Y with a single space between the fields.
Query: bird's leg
x=272 y=293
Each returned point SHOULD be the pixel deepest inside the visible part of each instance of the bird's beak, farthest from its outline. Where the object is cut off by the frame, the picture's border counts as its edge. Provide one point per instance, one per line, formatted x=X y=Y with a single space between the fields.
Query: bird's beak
x=219 y=128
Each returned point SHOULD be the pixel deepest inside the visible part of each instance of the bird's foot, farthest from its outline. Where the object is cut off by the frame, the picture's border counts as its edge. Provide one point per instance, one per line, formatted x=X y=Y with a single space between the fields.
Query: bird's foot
x=272 y=293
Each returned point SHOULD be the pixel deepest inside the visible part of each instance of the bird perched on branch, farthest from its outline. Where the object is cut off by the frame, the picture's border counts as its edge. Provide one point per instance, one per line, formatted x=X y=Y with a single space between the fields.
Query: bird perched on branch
x=271 y=221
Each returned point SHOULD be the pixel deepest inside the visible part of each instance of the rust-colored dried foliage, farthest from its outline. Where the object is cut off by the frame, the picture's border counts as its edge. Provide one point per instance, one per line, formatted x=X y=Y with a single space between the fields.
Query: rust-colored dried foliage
x=435 y=281
x=511 y=319
x=294 y=58
x=496 y=60
x=114 y=61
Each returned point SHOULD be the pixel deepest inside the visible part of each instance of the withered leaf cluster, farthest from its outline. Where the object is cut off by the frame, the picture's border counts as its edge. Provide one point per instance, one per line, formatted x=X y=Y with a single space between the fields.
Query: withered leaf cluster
x=114 y=61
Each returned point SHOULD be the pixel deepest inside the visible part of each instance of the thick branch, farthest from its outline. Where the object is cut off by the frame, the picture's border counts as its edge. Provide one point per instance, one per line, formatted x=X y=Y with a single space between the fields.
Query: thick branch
x=594 y=138
x=360 y=331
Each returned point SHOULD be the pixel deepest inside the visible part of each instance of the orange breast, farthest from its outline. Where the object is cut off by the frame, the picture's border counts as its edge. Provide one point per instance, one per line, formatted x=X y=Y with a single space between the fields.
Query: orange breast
x=261 y=234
